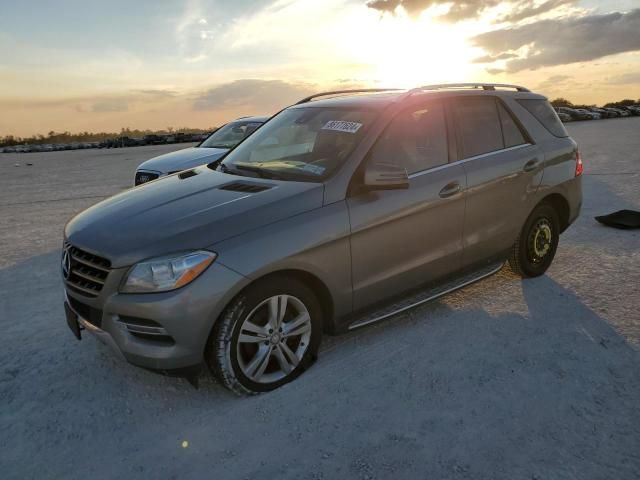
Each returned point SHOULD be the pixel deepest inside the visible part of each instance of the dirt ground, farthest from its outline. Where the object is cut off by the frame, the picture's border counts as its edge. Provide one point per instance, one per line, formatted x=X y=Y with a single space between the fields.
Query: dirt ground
x=505 y=379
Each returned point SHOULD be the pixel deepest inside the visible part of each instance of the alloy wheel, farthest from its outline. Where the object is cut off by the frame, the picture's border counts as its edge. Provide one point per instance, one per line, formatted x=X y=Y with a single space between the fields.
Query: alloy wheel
x=273 y=338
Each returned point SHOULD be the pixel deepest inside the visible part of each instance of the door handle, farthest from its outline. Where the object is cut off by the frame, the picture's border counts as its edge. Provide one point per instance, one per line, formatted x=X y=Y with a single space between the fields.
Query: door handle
x=450 y=189
x=531 y=165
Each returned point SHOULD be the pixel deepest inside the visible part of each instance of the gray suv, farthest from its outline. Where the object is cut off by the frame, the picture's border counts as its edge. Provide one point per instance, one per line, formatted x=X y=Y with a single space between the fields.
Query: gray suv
x=337 y=213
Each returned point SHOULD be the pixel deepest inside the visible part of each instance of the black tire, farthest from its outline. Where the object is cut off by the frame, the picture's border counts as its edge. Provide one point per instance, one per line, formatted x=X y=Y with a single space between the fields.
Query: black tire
x=222 y=349
x=525 y=259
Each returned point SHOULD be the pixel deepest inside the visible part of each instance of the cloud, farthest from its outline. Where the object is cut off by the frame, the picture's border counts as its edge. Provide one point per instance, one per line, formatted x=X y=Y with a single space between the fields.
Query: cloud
x=468 y=9
x=625 y=79
x=110 y=105
x=201 y=32
x=525 y=10
x=156 y=93
x=256 y=96
x=563 y=41
x=458 y=10
x=493 y=58
x=553 y=82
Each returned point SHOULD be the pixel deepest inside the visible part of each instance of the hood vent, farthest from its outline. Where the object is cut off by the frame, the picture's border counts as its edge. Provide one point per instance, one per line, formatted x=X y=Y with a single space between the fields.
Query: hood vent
x=245 y=187
x=186 y=174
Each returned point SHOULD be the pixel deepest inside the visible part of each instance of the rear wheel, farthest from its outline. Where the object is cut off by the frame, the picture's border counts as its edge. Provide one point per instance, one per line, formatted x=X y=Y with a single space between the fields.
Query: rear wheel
x=536 y=246
x=267 y=336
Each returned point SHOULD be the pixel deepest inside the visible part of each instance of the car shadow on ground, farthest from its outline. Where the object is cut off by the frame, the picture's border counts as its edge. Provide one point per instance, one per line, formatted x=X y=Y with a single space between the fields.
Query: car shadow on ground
x=505 y=372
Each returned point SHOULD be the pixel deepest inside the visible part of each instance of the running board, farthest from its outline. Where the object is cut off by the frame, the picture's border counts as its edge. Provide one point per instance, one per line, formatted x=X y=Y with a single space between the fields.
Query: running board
x=424 y=296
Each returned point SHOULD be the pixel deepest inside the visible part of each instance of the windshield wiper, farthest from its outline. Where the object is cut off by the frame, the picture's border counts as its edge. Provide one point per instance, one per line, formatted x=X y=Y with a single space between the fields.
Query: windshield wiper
x=218 y=165
x=216 y=146
x=261 y=172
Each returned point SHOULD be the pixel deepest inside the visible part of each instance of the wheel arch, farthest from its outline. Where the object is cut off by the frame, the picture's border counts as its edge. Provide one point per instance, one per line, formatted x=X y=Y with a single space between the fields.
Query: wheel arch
x=561 y=205
x=317 y=286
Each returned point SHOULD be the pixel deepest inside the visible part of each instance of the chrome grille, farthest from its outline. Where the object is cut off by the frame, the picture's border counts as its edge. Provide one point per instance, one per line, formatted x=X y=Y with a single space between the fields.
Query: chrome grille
x=87 y=273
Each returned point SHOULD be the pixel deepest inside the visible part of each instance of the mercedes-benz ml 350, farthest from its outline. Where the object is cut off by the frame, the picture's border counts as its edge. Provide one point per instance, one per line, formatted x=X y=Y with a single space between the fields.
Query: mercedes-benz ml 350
x=340 y=211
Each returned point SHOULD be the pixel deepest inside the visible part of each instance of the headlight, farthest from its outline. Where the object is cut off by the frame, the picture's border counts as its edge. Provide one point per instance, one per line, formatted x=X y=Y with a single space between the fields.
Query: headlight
x=166 y=273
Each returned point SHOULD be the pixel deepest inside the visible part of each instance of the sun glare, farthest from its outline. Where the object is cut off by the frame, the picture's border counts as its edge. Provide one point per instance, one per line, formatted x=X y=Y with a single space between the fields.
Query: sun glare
x=408 y=52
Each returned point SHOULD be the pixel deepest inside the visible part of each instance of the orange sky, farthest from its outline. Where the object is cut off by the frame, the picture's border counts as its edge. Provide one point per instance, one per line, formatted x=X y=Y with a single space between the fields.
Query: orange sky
x=163 y=64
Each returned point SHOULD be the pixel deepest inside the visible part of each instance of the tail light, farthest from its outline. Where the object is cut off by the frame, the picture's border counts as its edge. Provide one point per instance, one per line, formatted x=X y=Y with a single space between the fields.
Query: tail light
x=579 y=166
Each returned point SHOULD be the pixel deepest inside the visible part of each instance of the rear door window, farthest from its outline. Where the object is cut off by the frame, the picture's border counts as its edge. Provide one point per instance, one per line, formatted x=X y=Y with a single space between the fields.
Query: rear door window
x=546 y=115
x=478 y=125
x=510 y=130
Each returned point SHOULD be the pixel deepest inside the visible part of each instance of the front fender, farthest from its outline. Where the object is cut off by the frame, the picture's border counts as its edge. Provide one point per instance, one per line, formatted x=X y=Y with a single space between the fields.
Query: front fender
x=315 y=242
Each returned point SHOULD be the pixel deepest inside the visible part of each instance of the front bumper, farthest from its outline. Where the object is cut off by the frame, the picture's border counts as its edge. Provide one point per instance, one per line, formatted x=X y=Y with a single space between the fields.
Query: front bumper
x=177 y=323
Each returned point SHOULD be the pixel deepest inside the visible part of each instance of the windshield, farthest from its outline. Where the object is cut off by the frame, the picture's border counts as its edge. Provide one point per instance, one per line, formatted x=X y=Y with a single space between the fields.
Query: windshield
x=229 y=135
x=304 y=144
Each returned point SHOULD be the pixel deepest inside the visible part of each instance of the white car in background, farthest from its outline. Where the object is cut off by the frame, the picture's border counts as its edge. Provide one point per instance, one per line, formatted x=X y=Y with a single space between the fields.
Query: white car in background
x=214 y=147
x=592 y=115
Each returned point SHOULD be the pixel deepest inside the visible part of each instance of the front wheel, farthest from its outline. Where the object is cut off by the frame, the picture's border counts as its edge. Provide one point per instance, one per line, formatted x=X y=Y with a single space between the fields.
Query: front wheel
x=266 y=337
x=536 y=246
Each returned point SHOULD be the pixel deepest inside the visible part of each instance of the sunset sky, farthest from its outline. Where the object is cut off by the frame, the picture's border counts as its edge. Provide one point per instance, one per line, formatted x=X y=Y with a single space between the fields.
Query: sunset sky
x=94 y=65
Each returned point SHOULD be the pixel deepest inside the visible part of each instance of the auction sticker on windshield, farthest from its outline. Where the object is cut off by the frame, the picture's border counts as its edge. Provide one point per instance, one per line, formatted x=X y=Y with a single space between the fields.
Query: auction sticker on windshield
x=342 y=126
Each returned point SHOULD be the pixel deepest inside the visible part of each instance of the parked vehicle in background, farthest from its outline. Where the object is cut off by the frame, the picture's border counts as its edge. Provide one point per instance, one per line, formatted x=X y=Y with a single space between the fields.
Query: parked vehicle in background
x=600 y=111
x=200 y=137
x=153 y=139
x=613 y=113
x=337 y=213
x=124 y=141
x=623 y=112
x=564 y=117
x=577 y=113
x=588 y=114
x=216 y=145
x=182 y=137
x=574 y=114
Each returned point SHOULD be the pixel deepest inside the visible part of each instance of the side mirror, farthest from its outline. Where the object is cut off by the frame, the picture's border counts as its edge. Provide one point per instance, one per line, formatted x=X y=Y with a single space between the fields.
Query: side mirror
x=385 y=176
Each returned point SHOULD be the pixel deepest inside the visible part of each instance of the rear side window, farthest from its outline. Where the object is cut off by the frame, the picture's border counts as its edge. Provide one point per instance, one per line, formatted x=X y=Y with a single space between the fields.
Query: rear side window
x=416 y=139
x=478 y=125
x=546 y=115
x=510 y=130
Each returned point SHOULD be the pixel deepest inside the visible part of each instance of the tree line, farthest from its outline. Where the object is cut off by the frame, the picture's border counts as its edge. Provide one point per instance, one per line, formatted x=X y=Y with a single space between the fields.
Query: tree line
x=67 y=137
x=563 y=102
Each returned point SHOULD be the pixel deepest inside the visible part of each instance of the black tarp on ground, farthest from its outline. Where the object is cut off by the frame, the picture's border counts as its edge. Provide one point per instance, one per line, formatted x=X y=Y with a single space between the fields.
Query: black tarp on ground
x=624 y=219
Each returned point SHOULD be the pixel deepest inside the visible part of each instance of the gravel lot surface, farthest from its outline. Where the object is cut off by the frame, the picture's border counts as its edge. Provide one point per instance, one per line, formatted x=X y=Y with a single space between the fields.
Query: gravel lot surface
x=505 y=379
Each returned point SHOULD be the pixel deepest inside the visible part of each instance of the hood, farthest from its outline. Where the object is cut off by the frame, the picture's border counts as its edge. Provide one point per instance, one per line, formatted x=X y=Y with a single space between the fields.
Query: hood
x=191 y=210
x=183 y=159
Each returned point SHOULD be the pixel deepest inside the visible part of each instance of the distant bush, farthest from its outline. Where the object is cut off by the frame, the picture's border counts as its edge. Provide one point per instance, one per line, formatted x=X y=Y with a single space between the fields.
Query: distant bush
x=622 y=103
x=68 y=137
x=563 y=102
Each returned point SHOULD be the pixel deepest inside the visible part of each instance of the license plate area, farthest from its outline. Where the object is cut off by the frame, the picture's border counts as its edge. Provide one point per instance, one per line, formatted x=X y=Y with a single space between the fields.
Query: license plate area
x=72 y=321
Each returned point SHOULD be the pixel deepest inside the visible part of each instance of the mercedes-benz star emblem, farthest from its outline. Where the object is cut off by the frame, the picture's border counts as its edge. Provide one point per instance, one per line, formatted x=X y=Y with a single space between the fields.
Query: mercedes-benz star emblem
x=66 y=263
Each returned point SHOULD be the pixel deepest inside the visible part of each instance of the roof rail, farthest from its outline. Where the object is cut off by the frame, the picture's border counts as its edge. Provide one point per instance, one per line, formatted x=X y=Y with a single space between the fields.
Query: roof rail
x=338 y=92
x=484 y=86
